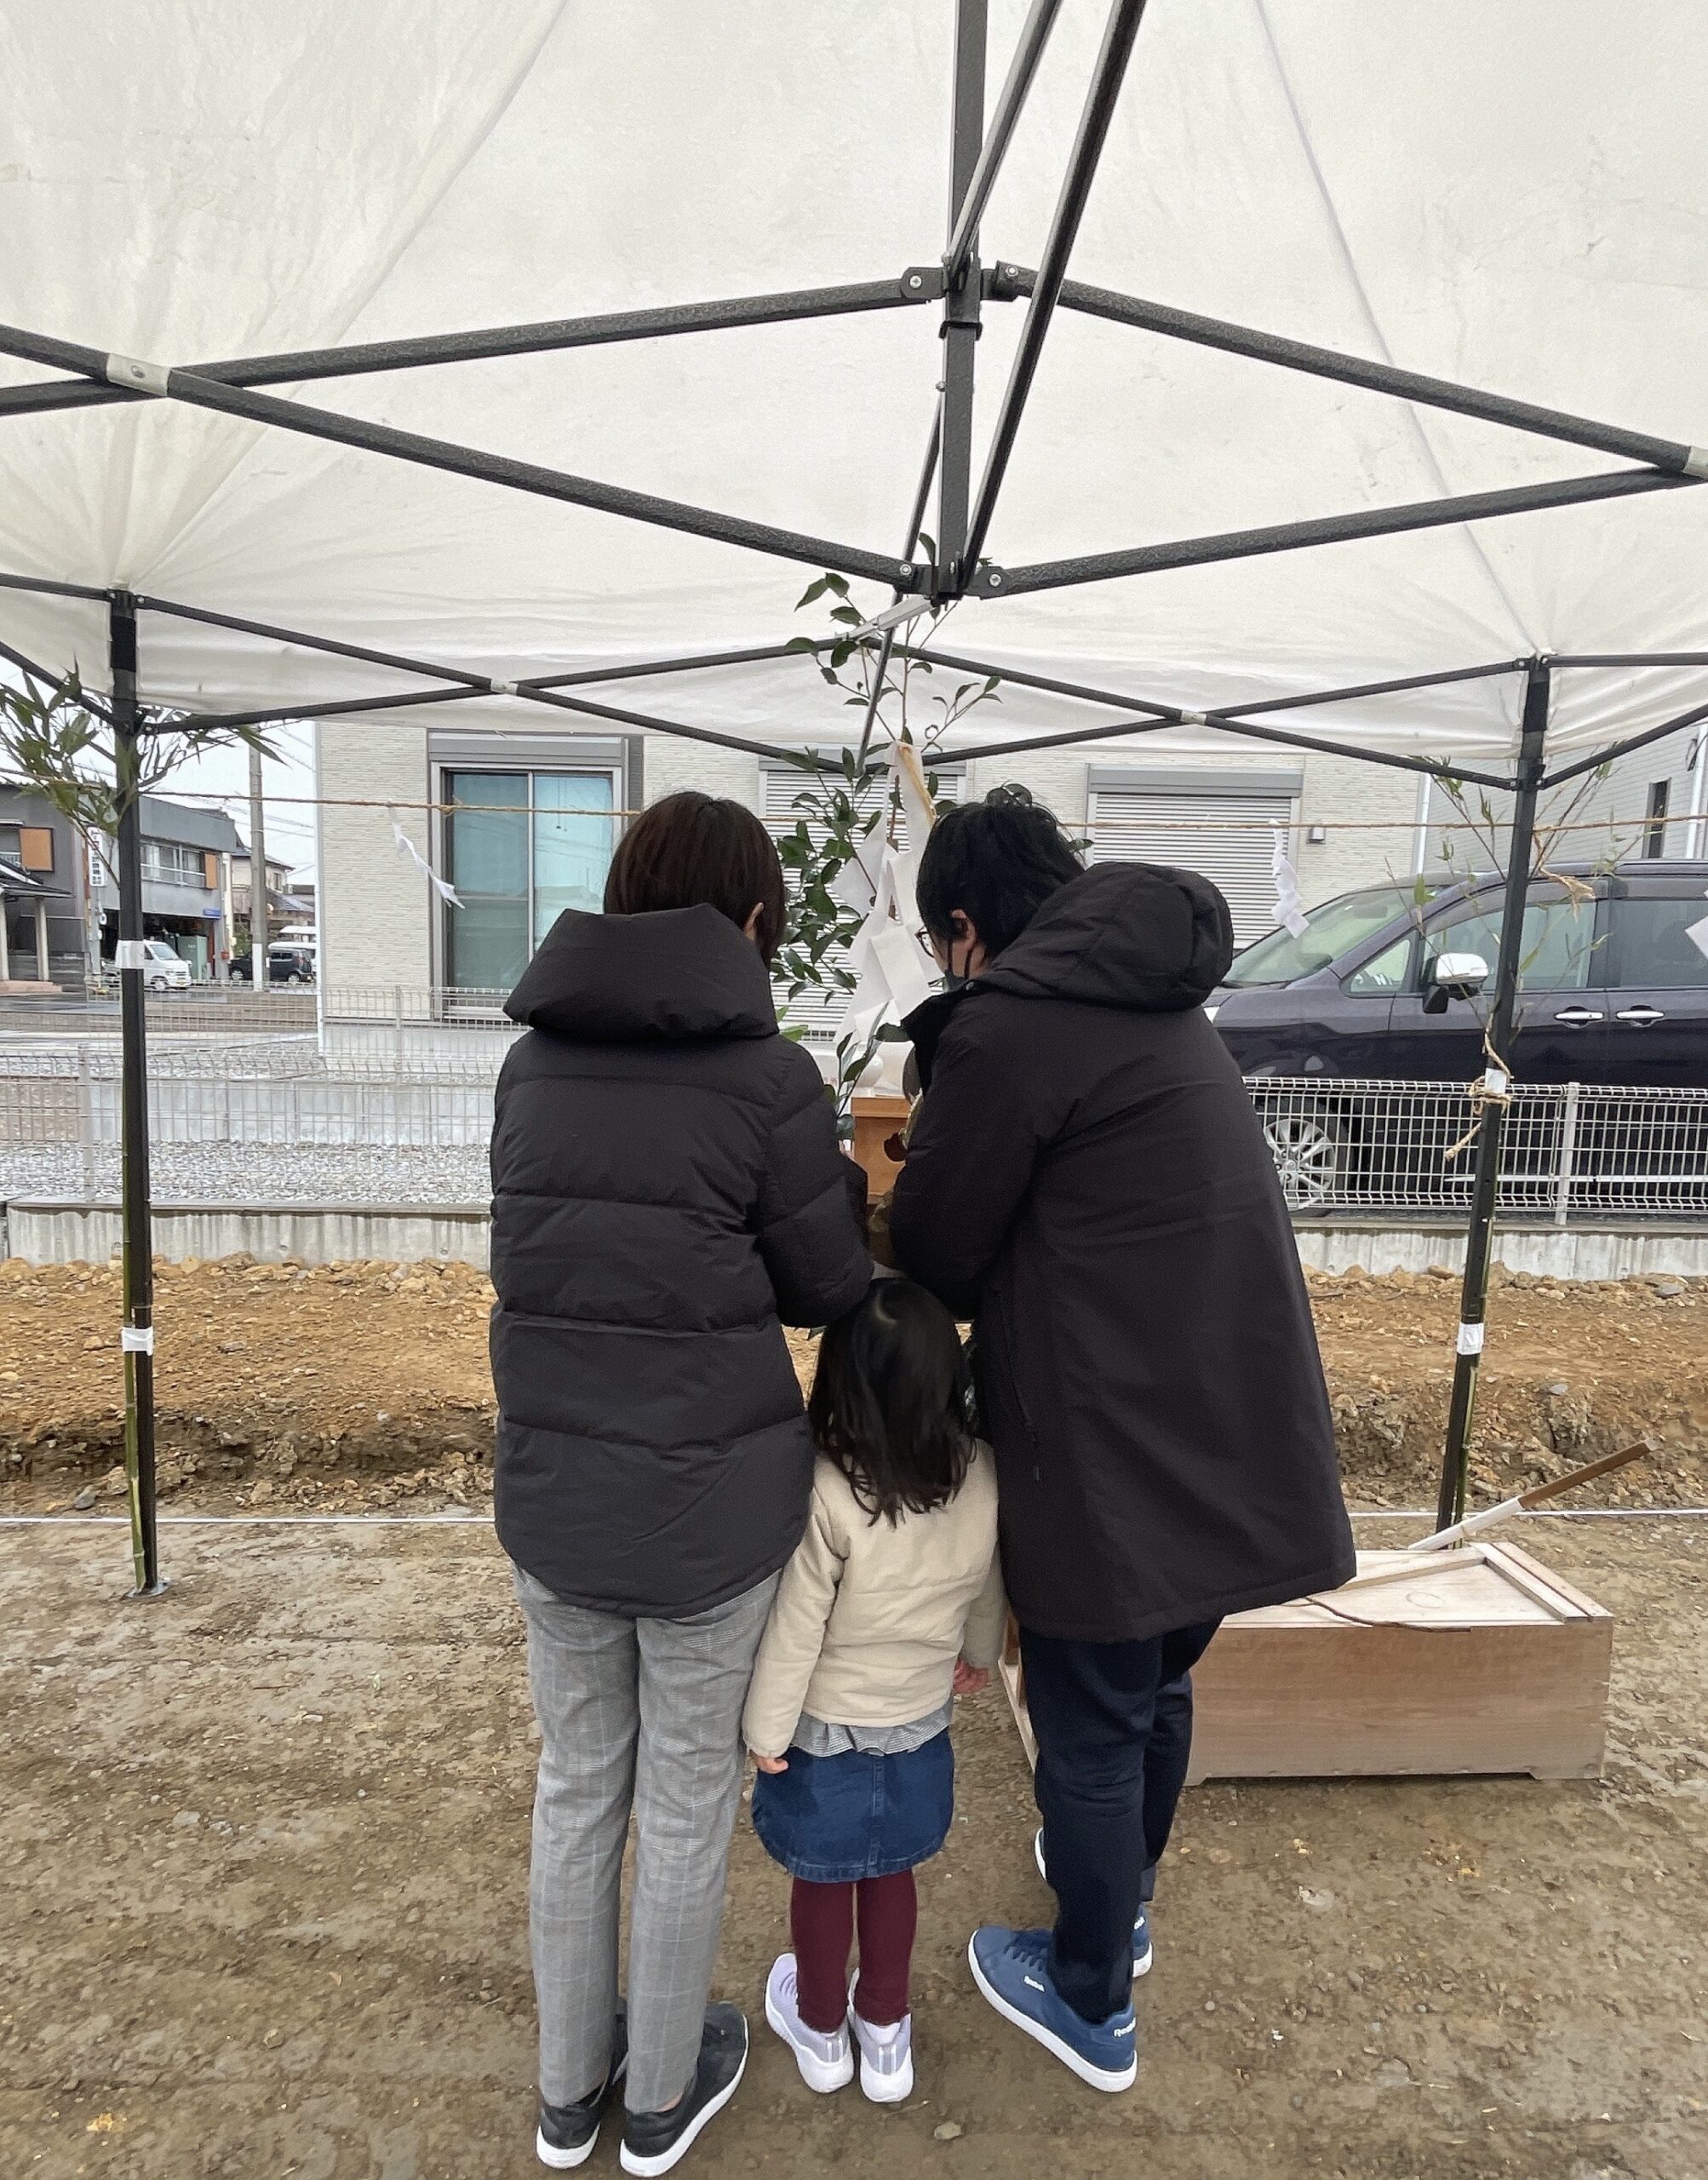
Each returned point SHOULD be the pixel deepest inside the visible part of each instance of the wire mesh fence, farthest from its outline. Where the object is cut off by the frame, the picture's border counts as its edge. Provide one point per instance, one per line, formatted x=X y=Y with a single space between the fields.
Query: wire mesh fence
x=393 y=1102
x=1569 y=1150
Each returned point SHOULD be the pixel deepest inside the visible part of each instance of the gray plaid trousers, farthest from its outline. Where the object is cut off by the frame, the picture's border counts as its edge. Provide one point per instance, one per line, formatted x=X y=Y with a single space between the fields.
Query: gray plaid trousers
x=644 y=1712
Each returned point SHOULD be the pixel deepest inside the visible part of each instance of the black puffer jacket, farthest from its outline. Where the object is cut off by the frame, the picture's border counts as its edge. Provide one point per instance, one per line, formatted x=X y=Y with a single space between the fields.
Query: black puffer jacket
x=1086 y=1173
x=667 y=1187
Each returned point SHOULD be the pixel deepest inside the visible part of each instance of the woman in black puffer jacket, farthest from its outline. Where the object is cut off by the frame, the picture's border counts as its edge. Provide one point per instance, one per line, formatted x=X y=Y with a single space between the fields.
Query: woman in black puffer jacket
x=667 y=1193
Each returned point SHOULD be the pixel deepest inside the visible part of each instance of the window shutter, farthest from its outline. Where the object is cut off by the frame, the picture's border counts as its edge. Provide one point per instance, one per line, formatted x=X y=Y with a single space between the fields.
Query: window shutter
x=36 y=847
x=819 y=1012
x=1226 y=837
x=210 y=870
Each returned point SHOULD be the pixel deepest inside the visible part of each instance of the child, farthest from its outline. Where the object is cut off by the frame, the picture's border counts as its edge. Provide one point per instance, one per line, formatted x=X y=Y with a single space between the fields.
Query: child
x=891 y=1604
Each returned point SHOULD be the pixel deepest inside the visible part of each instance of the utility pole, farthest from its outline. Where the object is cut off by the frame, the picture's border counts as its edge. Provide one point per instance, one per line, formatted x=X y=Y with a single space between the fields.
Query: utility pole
x=258 y=917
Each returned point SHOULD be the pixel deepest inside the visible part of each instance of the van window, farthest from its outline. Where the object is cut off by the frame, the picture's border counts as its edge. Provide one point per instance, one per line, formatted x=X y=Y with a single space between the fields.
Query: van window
x=1332 y=929
x=1558 y=945
x=1387 y=973
x=1654 y=947
x=158 y=950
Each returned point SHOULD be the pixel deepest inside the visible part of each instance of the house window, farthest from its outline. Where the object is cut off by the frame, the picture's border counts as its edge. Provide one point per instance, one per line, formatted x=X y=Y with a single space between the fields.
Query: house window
x=519 y=848
x=1219 y=823
x=1654 y=824
x=27 y=847
x=170 y=862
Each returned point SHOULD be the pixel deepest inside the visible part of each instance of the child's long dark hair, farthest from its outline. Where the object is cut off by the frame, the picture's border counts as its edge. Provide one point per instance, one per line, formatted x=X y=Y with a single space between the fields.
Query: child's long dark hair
x=890 y=1401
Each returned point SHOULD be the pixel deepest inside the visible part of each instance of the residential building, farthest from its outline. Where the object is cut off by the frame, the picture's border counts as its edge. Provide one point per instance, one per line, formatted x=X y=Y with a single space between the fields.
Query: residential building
x=43 y=925
x=282 y=900
x=520 y=826
x=186 y=856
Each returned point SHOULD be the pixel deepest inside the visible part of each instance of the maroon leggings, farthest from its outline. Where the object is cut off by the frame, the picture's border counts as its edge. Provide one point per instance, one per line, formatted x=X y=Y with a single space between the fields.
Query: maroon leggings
x=820 y=1921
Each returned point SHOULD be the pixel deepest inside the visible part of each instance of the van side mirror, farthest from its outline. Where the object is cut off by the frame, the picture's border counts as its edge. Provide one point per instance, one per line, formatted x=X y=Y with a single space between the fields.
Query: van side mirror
x=1454 y=976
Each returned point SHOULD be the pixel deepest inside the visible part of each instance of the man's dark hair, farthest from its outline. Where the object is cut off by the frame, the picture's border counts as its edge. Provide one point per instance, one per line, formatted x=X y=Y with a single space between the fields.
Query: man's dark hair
x=998 y=862
x=690 y=848
x=890 y=1400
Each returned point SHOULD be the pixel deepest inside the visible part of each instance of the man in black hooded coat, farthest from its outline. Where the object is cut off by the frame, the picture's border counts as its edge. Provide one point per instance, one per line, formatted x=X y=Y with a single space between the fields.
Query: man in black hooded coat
x=1087 y=1178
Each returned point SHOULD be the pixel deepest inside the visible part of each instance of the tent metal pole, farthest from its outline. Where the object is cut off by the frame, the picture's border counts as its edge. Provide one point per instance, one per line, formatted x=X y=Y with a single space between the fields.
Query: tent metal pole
x=1064 y=226
x=694 y=663
x=138 y=1339
x=54 y=589
x=1217 y=723
x=909 y=548
x=587 y=708
x=1338 y=695
x=916 y=520
x=918 y=285
x=1033 y=37
x=1632 y=658
x=477 y=684
x=1623 y=749
x=1323 y=530
x=962 y=300
x=1361 y=689
x=1015 y=280
x=282 y=714
x=1491 y=1128
x=370 y=438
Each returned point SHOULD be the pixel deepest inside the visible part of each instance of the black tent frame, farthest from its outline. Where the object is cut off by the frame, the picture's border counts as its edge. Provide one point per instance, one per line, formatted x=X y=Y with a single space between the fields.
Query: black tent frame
x=962 y=285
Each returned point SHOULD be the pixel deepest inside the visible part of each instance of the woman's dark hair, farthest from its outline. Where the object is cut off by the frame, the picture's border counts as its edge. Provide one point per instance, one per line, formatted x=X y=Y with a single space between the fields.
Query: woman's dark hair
x=998 y=862
x=890 y=1401
x=690 y=848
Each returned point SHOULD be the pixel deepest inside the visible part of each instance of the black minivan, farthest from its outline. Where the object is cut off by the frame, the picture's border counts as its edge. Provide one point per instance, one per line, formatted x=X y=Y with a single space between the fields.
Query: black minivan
x=1613 y=982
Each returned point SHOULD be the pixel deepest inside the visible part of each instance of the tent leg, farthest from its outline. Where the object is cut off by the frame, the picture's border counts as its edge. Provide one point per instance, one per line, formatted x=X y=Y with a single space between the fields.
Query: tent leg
x=1480 y=1240
x=138 y=1226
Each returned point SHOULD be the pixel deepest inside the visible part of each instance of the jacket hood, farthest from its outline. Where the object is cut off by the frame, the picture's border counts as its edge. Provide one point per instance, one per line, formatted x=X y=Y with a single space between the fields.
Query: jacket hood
x=673 y=974
x=1133 y=935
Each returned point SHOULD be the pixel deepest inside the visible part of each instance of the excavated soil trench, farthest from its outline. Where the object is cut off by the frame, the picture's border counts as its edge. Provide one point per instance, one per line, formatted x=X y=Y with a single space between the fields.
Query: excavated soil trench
x=352 y=1386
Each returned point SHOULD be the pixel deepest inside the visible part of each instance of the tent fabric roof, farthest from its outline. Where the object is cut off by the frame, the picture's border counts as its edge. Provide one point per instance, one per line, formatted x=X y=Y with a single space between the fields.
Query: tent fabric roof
x=1505 y=196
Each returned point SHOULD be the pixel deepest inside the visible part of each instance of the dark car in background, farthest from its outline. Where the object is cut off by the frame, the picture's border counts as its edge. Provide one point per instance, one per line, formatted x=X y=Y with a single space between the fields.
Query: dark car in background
x=1612 y=986
x=286 y=965
x=1393 y=983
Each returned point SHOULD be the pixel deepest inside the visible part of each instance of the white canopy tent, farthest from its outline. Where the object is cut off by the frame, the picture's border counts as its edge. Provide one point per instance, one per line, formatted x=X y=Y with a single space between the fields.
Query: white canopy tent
x=1504 y=199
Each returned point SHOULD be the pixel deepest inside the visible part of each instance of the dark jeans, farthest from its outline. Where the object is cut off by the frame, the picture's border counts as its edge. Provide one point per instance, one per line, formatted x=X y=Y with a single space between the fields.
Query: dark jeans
x=1113 y=1724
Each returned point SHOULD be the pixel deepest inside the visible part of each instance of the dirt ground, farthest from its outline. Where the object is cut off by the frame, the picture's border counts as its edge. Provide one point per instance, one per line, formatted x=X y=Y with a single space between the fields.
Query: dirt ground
x=264 y=1848
x=358 y=1386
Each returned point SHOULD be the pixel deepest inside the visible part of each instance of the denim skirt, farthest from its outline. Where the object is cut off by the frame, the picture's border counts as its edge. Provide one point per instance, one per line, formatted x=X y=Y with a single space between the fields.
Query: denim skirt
x=833 y=1820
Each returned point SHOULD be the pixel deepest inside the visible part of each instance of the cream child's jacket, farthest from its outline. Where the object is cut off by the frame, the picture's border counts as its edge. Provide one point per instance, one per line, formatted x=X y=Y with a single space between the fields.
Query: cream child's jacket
x=870 y=1619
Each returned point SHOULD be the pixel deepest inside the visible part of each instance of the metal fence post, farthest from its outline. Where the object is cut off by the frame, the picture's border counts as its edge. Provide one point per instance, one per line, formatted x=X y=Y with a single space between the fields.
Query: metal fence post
x=397 y=1027
x=86 y=1121
x=1568 y=1151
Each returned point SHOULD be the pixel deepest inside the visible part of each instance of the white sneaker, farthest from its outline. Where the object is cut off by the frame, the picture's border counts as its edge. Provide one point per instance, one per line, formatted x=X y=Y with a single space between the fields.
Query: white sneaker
x=826 y=2062
x=886 y=2057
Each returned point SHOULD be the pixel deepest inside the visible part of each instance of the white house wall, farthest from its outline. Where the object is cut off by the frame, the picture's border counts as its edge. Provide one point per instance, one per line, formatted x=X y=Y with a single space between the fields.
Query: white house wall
x=374 y=919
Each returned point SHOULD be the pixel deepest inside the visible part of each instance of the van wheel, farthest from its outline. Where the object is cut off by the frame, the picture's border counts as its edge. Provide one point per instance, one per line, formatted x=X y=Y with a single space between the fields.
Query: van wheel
x=1306 y=1151
x=156 y=984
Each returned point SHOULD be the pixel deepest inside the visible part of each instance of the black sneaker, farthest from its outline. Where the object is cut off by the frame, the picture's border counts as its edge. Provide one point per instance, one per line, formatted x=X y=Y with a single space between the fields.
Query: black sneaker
x=569 y=2132
x=652 y=2141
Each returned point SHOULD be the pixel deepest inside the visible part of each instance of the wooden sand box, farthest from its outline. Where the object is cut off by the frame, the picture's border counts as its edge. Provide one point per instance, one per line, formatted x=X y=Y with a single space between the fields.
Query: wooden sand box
x=1477 y=1661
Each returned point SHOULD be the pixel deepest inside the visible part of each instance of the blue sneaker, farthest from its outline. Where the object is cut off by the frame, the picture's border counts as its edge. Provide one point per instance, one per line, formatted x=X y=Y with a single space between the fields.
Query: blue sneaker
x=1141 y=1929
x=1012 y=1968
